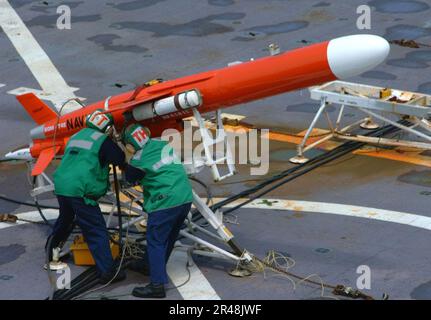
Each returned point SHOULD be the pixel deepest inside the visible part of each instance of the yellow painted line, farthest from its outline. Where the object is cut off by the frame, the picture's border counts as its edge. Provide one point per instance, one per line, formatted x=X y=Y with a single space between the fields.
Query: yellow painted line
x=411 y=155
x=316 y=134
x=407 y=155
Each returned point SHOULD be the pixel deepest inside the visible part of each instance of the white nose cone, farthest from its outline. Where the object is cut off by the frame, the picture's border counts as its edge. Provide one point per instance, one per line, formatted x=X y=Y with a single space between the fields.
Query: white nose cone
x=352 y=55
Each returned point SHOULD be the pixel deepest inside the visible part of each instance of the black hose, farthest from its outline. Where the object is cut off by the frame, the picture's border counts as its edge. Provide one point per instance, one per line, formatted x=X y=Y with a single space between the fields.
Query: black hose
x=39 y=208
x=290 y=178
x=42 y=206
x=81 y=288
x=308 y=166
x=42 y=215
x=28 y=204
x=88 y=275
x=130 y=231
x=207 y=188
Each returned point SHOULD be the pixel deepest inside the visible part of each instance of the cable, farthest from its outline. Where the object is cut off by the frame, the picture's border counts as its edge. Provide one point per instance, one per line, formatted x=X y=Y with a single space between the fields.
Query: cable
x=117 y=199
x=189 y=276
x=107 y=297
x=294 y=172
x=240 y=181
x=122 y=247
x=104 y=296
x=39 y=208
x=28 y=204
x=288 y=179
x=7 y=160
x=59 y=116
x=207 y=188
x=48 y=270
x=271 y=261
x=105 y=285
x=132 y=252
x=302 y=169
x=88 y=275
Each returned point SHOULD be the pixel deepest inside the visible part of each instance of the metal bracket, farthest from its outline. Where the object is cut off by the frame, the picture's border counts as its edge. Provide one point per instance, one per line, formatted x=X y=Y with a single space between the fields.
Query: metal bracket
x=201 y=246
x=211 y=158
x=299 y=158
x=43 y=185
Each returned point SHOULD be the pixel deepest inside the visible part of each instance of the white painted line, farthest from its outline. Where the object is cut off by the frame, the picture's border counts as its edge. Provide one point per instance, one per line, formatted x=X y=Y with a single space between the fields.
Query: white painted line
x=54 y=87
x=33 y=216
x=408 y=219
x=197 y=287
x=2 y=85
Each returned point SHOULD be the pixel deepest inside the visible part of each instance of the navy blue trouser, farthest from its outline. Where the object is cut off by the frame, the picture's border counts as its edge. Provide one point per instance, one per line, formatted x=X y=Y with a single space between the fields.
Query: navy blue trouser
x=163 y=228
x=93 y=226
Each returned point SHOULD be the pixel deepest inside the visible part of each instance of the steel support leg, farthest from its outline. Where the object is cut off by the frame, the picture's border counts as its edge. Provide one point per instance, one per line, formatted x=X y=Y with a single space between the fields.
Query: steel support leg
x=300 y=157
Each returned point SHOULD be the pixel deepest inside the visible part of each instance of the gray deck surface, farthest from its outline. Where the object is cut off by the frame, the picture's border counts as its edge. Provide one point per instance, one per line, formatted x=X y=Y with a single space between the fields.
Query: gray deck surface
x=129 y=42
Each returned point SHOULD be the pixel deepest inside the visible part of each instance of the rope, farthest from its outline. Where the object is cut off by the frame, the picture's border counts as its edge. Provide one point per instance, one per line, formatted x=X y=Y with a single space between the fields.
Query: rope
x=281 y=264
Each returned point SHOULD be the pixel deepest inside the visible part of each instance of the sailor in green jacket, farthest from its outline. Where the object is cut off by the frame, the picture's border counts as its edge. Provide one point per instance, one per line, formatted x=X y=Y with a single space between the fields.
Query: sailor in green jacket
x=80 y=180
x=167 y=200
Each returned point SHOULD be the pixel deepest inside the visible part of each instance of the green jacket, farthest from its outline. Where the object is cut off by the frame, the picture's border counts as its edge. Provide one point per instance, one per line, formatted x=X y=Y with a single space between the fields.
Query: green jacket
x=165 y=182
x=80 y=173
